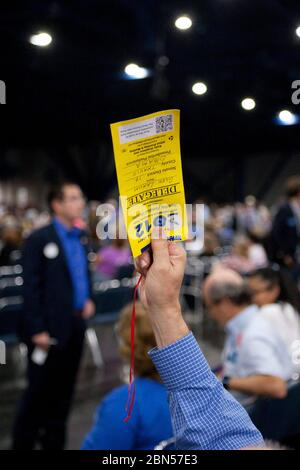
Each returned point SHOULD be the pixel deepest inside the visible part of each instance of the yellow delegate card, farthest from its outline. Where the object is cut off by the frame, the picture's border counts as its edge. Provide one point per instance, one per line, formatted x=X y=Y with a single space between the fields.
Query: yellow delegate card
x=149 y=172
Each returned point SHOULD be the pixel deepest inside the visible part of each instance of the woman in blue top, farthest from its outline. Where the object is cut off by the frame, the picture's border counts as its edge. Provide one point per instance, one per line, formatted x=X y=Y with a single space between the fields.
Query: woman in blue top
x=150 y=422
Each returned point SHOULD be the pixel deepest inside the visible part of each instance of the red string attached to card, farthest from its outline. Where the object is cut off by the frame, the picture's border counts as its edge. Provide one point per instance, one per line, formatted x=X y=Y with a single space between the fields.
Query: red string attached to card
x=131 y=386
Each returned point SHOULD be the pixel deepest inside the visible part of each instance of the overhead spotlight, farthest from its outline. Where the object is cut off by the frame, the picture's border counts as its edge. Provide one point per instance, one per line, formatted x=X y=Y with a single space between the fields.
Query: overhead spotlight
x=298 y=31
x=248 y=104
x=41 y=39
x=199 y=88
x=183 y=22
x=136 y=72
x=286 y=118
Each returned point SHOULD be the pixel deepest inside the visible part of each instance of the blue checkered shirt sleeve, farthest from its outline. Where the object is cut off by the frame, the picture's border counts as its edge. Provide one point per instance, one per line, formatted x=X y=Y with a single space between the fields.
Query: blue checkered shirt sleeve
x=204 y=415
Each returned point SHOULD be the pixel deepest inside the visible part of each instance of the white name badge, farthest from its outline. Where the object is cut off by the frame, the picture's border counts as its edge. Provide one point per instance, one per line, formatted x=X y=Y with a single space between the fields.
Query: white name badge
x=51 y=250
x=39 y=356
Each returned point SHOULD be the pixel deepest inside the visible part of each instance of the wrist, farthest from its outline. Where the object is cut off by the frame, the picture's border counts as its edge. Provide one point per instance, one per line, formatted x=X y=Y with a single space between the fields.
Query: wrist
x=168 y=312
x=168 y=326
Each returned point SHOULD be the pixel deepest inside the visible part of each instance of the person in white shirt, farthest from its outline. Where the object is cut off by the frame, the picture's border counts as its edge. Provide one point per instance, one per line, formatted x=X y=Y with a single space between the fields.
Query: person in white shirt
x=255 y=359
x=277 y=297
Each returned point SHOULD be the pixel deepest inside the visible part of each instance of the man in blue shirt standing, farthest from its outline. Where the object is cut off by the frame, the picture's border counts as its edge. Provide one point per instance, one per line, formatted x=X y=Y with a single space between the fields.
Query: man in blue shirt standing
x=204 y=414
x=57 y=303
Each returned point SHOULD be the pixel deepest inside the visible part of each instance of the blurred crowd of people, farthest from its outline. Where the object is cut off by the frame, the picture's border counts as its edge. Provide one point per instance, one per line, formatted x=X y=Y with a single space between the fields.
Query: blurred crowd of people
x=249 y=233
x=252 y=291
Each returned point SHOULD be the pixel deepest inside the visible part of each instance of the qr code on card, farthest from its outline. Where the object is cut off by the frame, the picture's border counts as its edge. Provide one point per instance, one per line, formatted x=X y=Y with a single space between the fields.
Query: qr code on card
x=164 y=123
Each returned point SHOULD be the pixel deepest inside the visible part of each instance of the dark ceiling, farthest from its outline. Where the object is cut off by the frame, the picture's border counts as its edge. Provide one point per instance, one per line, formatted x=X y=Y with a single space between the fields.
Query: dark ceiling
x=70 y=91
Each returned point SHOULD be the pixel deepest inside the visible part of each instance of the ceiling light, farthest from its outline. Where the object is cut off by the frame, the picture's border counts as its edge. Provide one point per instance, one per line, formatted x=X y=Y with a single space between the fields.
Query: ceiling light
x=248 y=104
x=41 y=39
x=199 y=88
x=183 y=23
x=286 y=118
x=134 y=71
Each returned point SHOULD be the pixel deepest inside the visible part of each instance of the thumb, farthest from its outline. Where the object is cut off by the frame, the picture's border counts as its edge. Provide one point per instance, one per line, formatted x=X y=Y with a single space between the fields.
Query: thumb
x=160 y=247
x=177 y=252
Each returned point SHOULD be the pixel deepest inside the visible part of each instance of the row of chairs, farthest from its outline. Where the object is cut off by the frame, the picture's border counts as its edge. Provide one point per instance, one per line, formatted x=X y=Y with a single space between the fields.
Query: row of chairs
x=11 y=300
x=10 y=271
x=109 y=297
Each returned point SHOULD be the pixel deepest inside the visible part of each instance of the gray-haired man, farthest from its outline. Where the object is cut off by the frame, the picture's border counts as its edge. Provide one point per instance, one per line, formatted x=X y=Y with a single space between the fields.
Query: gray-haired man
x=255 y=359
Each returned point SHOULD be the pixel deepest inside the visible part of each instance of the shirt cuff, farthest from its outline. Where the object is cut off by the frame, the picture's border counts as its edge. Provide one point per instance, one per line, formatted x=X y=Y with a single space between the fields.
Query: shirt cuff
x=181 y=364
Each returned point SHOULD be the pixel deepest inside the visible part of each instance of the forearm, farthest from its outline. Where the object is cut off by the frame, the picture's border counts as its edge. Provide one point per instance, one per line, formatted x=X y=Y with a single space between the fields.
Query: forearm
x=261 y=385
x=168 y=326
x=204 y=415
